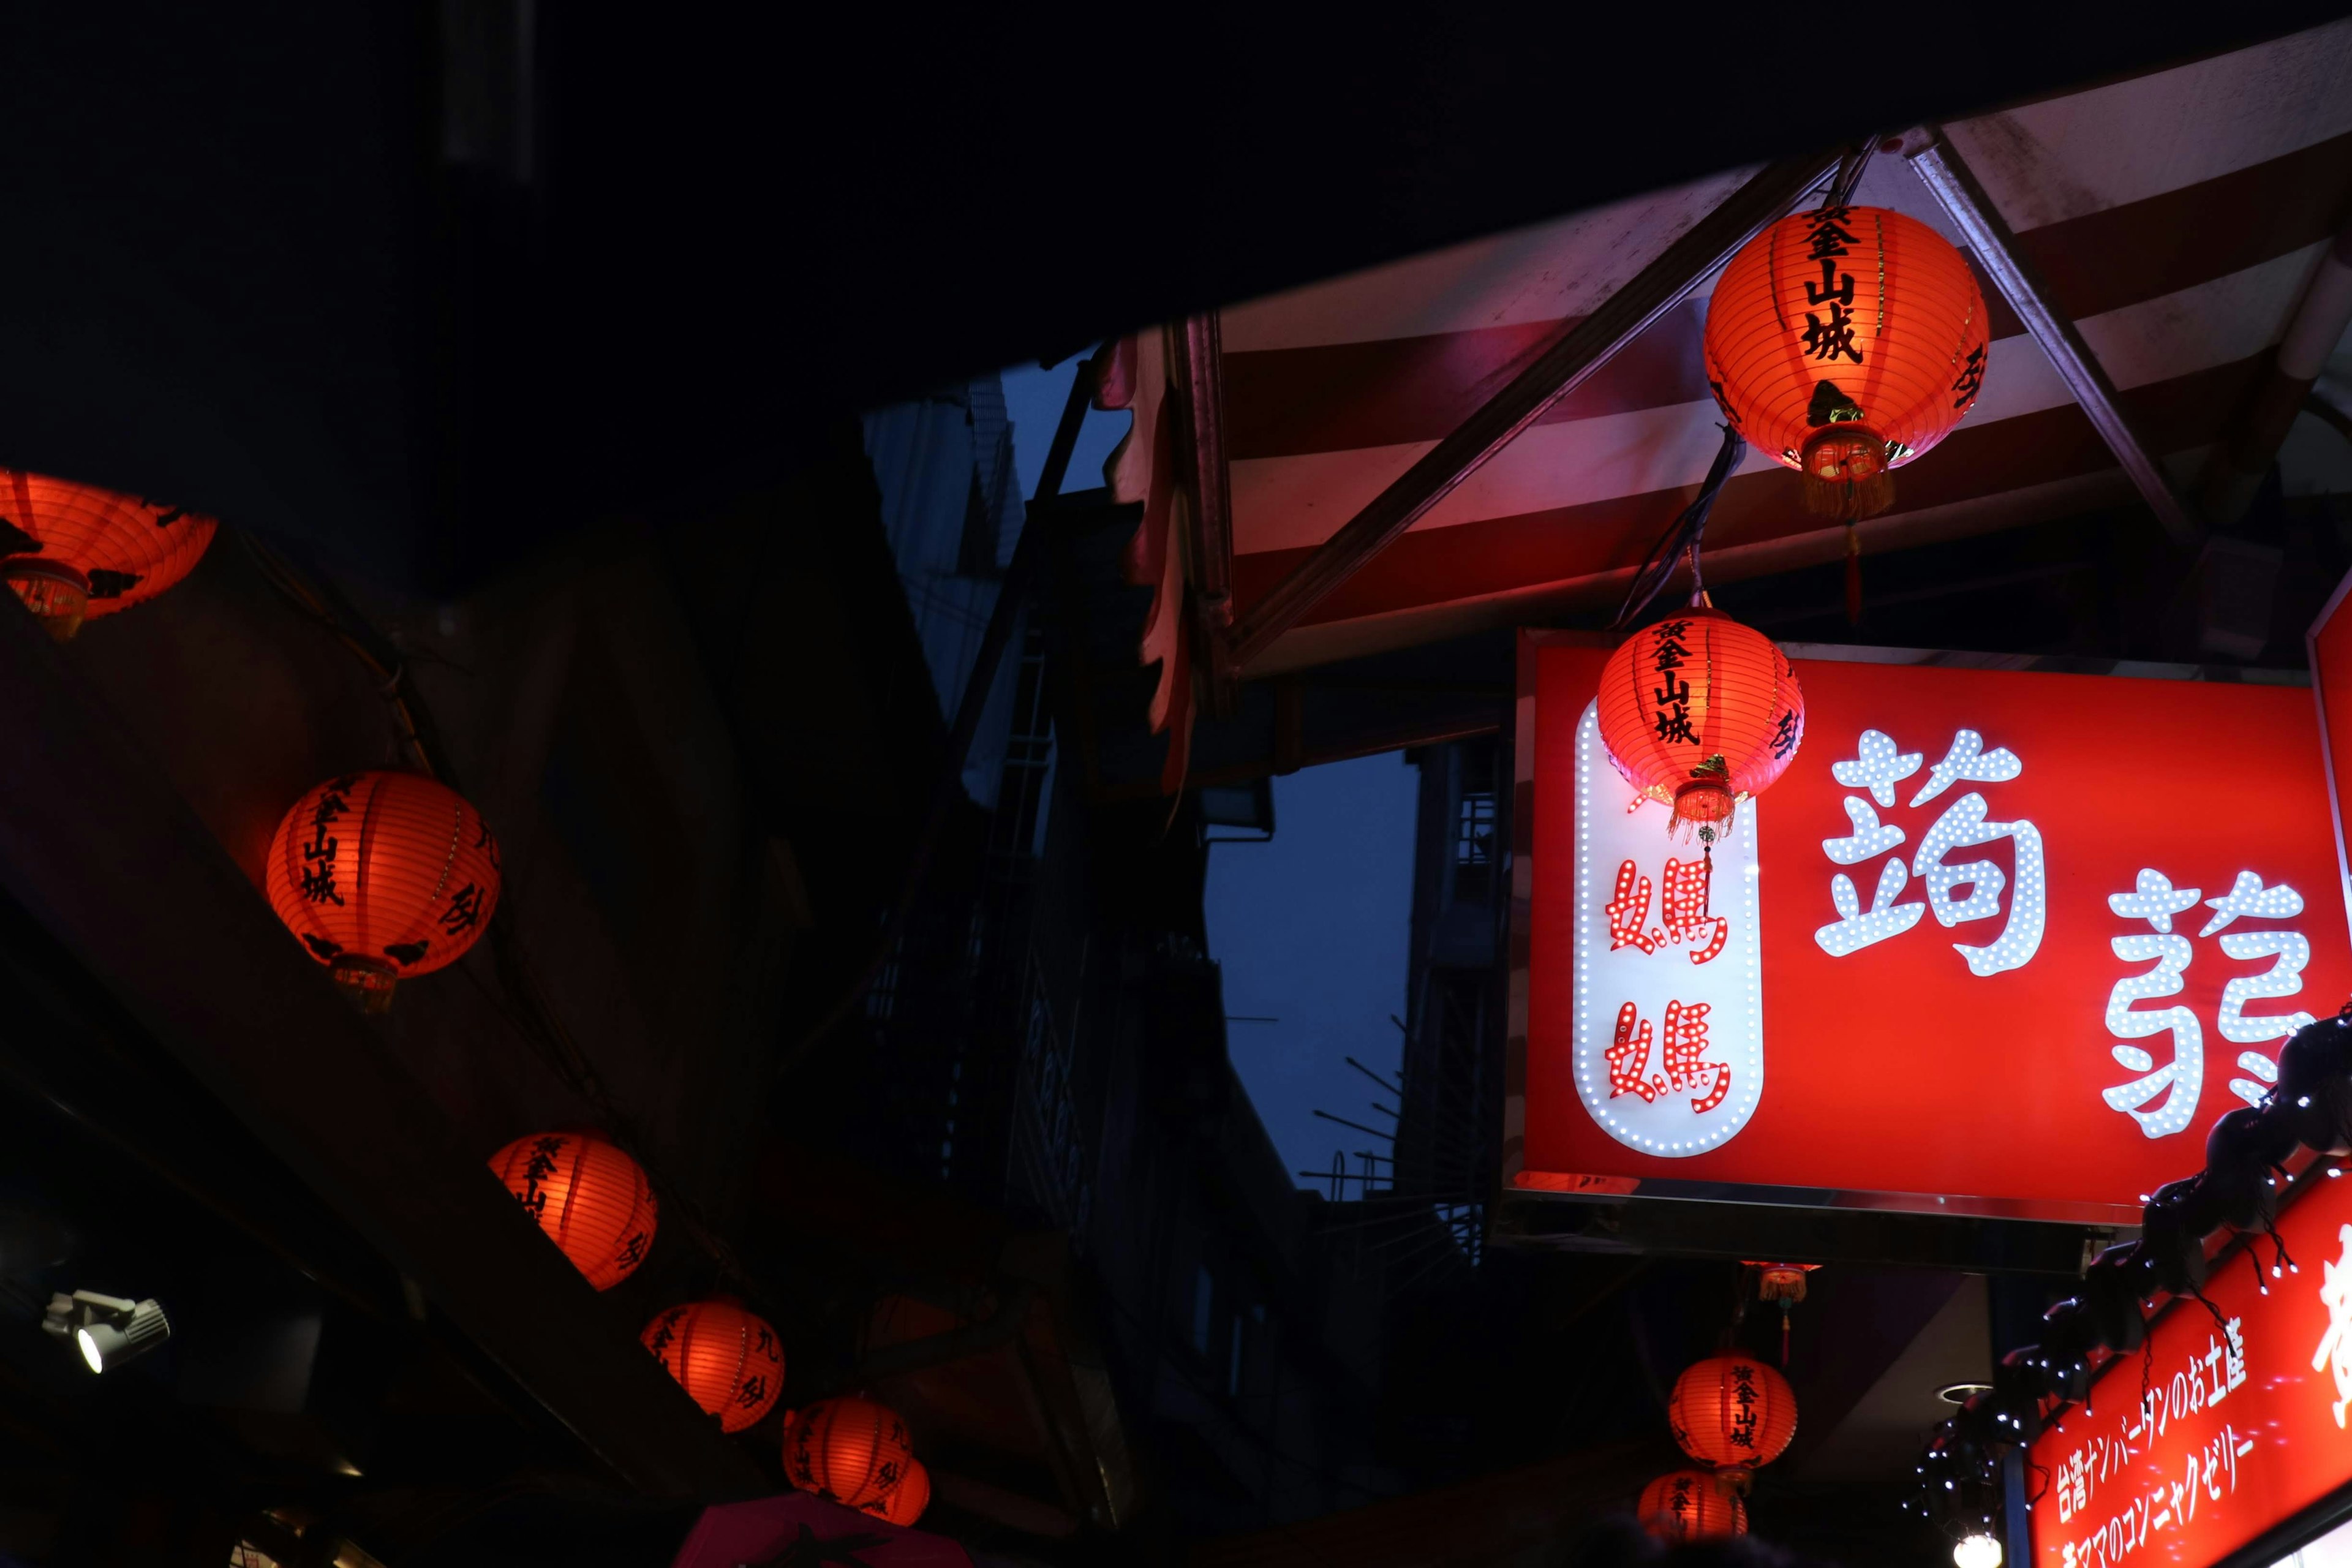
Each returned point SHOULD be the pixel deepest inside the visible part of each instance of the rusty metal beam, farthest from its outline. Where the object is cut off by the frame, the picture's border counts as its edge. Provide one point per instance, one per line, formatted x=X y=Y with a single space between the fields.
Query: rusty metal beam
x=1953 y=184
x=100 y=849
x=1553 y=374
x=1202 y=379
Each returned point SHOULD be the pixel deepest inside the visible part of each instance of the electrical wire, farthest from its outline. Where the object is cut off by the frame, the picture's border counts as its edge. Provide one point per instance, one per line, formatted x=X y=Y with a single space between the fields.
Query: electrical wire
x=1683 y=536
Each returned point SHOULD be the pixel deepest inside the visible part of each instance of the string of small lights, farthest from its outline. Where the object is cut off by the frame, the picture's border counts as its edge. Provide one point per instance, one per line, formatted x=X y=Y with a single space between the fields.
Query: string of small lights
x=2238 y=1191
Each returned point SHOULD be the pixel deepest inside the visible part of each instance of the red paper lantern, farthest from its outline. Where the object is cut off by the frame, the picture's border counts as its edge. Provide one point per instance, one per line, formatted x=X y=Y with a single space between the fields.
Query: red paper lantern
x=384 y=875
x=1691 y=1505
x=850 y=1451
x=728 y=1359
x=1733 y=1412
x=904 y=1503
x=1844 y=342
x=73 y=551
x=590 y=1197
x=1698 y=712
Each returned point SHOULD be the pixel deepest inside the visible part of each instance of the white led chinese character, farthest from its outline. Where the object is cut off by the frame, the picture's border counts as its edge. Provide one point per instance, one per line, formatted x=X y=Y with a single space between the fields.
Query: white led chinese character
x=2184 y=1075
x=2155 y=899
x=1853 y=930
x=1878 y=768
x=1870 y=838
x=2248 y=897
x=1967 y=760
x=2283 y=978
x=1963 y=824
x=2335 y=1352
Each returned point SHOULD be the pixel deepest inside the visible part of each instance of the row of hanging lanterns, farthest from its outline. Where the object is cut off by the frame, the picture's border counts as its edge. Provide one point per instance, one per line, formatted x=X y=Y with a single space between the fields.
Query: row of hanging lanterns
x=1842 y=343
x=594 y=1203
x=384 y=875
x=1735 y=1414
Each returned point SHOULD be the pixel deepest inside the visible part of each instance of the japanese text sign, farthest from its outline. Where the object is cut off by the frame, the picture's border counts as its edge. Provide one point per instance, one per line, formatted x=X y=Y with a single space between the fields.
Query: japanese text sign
x=2086 y=910
x=2233 y=1423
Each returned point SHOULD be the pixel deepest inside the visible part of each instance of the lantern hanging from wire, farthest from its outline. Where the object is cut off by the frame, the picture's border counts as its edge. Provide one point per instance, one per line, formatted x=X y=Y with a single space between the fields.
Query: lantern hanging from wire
x=73 y=553
x=1691 y=1505
x=1845 y=342
x=1700 y=712
x=1784 y=1283
x=850 y=1451
x=1733 y=1412
x=384 y=876
x=593 y=1200
x=904 y=1503
x=728 y=1360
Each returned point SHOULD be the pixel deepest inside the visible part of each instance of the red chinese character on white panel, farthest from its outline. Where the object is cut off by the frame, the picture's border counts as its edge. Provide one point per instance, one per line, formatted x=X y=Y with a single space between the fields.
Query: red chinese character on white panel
x=1669 y=1033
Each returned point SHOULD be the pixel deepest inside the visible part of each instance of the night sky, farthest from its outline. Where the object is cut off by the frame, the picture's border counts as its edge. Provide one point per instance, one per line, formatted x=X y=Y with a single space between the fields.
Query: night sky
x=1311 y=926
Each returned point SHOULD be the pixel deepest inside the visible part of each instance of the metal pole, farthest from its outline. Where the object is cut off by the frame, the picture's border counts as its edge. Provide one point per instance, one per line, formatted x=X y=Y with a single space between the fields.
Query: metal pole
x=1949 y=179
x=1557 y=371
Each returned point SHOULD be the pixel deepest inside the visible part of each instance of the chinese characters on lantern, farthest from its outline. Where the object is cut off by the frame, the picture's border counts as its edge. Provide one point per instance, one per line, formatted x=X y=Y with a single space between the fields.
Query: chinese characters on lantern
x=317 y=874
x=2163 y=1099
x=1830 y=336
x=1668 y=1049
x=1878 y=766
x=1667 y=657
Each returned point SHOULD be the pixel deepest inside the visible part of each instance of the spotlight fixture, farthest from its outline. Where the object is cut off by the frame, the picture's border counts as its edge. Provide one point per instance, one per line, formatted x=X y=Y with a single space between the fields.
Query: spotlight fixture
x=1977 y=1551
x=1959 y=1393
x=107 y=1330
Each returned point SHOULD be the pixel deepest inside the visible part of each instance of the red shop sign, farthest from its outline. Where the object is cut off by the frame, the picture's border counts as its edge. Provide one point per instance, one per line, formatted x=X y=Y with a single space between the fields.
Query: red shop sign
x=2243 y=1424
x=2083 y=911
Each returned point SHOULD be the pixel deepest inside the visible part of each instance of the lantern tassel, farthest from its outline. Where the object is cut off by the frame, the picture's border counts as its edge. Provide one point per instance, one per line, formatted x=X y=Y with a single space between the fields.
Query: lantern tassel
x=1853 y=574
x=1847 y=499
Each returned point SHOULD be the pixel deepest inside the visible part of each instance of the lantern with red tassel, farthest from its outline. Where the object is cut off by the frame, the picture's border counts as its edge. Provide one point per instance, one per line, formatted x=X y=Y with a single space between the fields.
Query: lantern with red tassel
x=850 y=1451
x=384 y=875
x=1700 y=712
x=727 y=1359
x=588 y=1196
x=1733 y=1412
x=1691 y=1505
x=73 y=553
x=1845 y=342
x=1784 y=1283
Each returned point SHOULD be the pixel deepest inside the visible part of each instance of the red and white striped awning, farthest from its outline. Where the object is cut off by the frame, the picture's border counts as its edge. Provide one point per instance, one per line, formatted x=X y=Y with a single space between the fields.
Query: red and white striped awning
x=2176 y=216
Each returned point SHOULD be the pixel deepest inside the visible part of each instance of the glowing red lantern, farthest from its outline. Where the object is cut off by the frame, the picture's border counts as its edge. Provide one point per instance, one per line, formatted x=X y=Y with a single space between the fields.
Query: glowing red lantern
x=384 y=875
x=590 y=1197
x=1844 y=342
x=904 y=1503
x=1733 y=1412
x=850 y=1451
x=728 y=1359
x=73 y=552
x=1691 y=1505
x=1699 y=712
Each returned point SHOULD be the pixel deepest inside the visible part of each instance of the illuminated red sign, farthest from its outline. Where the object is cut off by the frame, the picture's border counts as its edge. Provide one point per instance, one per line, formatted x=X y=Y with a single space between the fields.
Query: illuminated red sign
x=2243 y=1422
x=2005 y=937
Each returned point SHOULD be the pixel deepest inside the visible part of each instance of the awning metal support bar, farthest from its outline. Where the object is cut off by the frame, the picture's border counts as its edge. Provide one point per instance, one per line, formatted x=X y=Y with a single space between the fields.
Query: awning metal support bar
x=1559 y=371
x=1947 y=176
